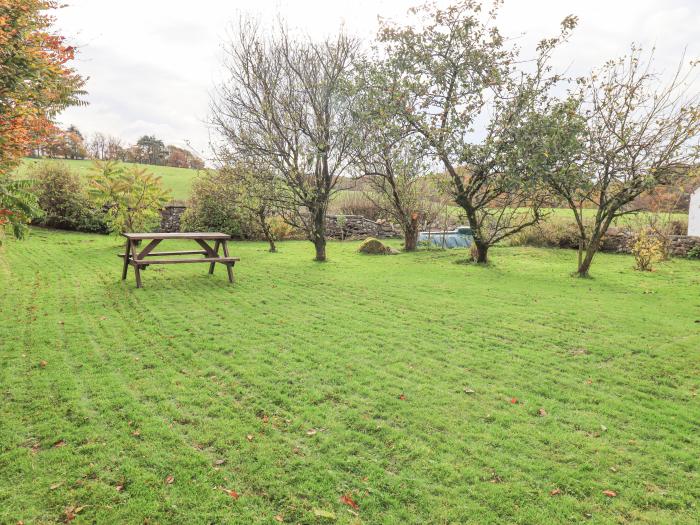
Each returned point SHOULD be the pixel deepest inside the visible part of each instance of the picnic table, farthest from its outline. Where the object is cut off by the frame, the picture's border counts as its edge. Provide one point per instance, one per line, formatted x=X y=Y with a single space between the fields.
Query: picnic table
x=138 y=260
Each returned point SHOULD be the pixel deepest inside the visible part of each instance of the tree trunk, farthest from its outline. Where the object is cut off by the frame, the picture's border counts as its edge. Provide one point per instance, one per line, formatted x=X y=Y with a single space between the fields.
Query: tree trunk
x=320 y=245
x=411 y=234
x=482 y=250
x=593 y=246
x=266 y=232
x=318 y=235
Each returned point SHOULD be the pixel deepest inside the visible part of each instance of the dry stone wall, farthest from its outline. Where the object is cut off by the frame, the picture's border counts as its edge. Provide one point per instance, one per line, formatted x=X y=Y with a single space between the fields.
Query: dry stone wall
x=337 y=226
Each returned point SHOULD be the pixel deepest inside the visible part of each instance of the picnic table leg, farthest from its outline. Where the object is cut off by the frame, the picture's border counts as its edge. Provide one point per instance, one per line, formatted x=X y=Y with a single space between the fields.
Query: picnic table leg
x=137 y=269
x=216 y=249
x=127 y=250
x=229 y=266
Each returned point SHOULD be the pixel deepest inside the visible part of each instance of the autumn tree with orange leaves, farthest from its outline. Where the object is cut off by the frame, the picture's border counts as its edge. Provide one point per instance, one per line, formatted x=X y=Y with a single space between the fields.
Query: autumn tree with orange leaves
x=36 y=83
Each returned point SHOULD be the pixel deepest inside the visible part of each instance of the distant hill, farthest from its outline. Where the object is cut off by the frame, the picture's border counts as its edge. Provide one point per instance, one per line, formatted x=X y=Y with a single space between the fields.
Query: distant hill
x=178 y=180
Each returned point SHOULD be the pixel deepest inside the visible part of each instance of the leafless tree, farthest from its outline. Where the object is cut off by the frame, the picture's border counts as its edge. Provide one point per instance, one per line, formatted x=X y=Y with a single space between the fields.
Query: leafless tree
x=114 y=149
x=98 y=146
x=284 y=106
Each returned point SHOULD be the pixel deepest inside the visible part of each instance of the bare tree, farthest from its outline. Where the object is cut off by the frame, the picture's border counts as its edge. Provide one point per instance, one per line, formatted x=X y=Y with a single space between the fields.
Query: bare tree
x=284 y=106
x=114 y=148
x=98 y=146
x=634 y=133
x=453 y=66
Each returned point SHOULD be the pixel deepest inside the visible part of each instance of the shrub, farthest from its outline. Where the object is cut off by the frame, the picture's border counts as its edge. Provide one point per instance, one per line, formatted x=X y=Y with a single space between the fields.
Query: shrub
x=214 y=207
x=62 y=196
x=281 y=230
x=551 y=233
x=356 y=203
x=18 y=206
x=133 y=197
x=647 y=250
x=693 y=253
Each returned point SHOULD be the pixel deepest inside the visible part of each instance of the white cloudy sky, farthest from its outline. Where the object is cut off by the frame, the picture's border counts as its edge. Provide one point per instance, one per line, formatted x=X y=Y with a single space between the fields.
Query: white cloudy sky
x=152 y=63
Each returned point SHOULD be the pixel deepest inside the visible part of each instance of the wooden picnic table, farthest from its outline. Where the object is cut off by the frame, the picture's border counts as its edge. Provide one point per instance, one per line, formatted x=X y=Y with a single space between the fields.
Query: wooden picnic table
x=137 y=259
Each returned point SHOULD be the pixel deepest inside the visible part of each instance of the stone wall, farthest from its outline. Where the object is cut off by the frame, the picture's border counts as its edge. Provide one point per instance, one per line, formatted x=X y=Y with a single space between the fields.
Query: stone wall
x=170 y=218
x=682 y=244
x=352 y=227
x=621 y=241
x=358 y=227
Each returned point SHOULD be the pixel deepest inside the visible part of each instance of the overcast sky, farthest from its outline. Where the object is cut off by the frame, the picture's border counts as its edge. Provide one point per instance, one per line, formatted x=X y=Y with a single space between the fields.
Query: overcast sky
x=153 y=63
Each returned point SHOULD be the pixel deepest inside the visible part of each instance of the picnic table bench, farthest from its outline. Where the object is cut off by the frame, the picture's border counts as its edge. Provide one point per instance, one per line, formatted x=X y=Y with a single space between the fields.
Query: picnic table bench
x=138 y=260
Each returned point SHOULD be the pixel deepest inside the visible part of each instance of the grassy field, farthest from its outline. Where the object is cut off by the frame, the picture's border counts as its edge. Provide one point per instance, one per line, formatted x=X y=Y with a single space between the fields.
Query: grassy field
x=177 y=180
x=420 y=388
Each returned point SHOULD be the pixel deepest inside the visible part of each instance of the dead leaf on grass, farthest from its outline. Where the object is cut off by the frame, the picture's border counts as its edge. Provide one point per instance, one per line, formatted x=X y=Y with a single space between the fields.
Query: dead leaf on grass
x=249 y=437
x=555 y=492
x=347 y=500
x=169 y=480
x=610 y=493
x=542 y=412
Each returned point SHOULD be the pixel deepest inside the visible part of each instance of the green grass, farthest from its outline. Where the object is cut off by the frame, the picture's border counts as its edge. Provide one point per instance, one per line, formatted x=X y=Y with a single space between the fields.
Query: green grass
x=106 y=386
x=177 y=180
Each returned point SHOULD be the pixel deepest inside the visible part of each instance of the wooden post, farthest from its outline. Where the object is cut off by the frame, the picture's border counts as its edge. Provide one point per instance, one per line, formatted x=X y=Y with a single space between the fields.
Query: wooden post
x=127 y=250
x=216 y=250
x=137 y=270
x=229 y=266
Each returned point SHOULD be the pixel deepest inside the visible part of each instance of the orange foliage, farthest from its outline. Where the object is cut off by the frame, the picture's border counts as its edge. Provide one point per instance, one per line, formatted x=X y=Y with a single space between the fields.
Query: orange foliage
x=35 y=80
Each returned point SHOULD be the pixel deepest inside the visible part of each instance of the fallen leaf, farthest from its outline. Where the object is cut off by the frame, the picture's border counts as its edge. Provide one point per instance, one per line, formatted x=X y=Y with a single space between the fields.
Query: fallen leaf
x=311 y=432
x=119 y=488
x=610 y=493
x=319 y=513
x=402 y=397
x=60 y=443
x=249 y=437
x=613 y=469
x=136 y=433
x=219 y=462
x=279 y=518
x=232 y=493
x=102 y=318
x=56 y=485
x=554 y=492
x=43 y=363
x=349 y=501
x=469 y=391
x=513 y=400
x=71 y=513
x=542 y=412
x=265 y=419
x=169 y=480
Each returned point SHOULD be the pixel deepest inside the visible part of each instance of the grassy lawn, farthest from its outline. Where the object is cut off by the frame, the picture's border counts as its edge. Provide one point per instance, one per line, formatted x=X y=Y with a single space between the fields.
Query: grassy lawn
x=177 y=180
x=424 y=390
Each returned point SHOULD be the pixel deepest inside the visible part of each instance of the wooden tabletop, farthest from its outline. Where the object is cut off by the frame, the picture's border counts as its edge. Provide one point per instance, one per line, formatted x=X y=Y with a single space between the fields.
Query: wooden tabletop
x=178 y=235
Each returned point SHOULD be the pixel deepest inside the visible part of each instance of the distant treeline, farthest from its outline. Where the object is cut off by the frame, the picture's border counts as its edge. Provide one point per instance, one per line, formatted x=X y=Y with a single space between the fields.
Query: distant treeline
x=71 y=144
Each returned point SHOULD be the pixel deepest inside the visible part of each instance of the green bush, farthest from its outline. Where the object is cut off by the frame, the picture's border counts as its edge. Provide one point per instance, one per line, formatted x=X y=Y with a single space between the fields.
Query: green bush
x=548 y=234
x=62 y=196
x=213 y=207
